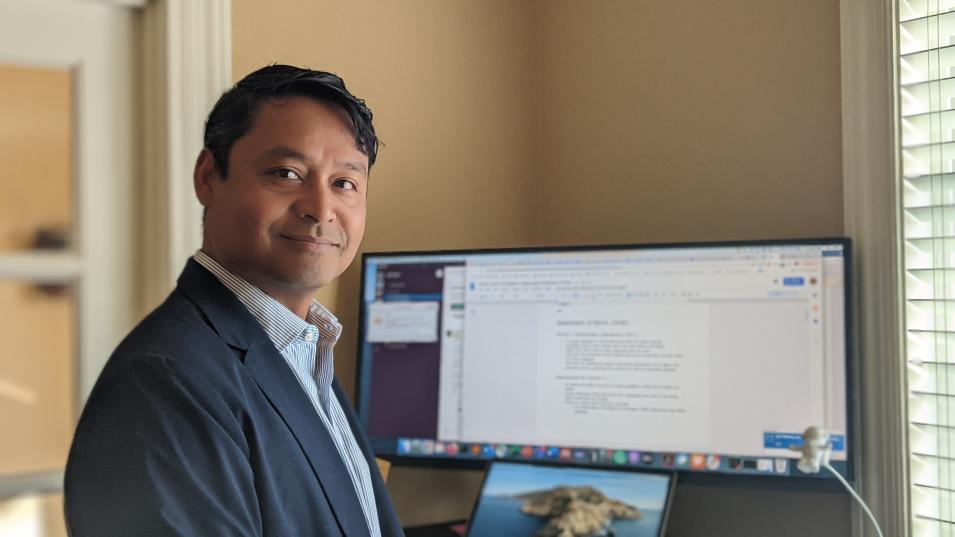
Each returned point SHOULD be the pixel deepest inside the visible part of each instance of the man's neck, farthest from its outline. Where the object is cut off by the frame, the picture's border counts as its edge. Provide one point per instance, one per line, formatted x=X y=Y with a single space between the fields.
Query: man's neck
x=295 y=300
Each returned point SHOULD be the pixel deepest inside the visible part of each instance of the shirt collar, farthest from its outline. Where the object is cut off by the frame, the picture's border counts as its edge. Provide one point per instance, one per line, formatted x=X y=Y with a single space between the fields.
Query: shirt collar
x=281 y=325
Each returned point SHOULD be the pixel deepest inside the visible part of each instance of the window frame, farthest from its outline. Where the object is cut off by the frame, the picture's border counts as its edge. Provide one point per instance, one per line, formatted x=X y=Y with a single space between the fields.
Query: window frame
x=871 y=209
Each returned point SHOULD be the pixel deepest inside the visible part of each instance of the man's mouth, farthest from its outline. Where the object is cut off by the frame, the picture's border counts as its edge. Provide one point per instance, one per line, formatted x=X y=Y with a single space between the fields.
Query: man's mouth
x=313 y=240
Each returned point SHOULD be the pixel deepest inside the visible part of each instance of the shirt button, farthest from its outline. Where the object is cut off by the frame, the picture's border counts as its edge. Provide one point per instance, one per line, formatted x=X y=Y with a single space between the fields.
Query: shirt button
x=309 y=336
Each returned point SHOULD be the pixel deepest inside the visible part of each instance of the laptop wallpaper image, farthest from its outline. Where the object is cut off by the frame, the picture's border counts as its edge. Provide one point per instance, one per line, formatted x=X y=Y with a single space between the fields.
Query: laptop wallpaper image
x=522 y=500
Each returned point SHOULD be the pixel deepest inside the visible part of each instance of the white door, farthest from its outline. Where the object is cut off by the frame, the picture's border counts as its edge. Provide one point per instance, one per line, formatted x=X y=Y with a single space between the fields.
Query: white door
x=67 y=207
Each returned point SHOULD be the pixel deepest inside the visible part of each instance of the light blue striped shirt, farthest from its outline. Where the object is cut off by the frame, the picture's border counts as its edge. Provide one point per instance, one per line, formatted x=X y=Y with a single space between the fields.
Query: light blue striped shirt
x=307 y=347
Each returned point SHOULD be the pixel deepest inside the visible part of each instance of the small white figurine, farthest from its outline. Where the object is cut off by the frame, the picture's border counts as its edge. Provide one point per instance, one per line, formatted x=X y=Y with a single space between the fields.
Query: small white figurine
x=815 y=449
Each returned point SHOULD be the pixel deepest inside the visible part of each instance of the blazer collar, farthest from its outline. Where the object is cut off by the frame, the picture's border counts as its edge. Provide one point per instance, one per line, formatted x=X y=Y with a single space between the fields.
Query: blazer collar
x=238 y=327
x=229 y=318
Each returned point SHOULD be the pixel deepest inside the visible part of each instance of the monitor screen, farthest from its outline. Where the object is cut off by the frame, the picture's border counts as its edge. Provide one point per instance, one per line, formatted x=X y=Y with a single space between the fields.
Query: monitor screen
x=697 y=357
x=525 y=500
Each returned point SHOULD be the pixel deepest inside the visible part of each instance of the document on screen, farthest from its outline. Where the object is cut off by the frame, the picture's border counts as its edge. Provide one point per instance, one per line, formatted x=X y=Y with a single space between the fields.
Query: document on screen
x=626 y=373
x=630 y=374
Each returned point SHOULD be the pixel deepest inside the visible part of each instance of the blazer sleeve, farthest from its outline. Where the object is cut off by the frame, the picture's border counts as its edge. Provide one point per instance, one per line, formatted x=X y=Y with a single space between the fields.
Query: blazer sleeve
x=159 y=453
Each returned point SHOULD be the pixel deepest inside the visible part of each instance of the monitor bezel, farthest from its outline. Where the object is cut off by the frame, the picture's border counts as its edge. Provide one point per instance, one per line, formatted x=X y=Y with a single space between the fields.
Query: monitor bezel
x=478 y=463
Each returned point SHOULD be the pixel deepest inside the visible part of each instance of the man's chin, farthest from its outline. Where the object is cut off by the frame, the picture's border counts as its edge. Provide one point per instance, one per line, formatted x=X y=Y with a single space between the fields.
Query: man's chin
x=308 y=280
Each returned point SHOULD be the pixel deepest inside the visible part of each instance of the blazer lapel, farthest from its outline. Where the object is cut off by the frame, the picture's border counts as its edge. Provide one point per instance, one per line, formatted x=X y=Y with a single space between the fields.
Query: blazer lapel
x=284 y=391
x=237 y=327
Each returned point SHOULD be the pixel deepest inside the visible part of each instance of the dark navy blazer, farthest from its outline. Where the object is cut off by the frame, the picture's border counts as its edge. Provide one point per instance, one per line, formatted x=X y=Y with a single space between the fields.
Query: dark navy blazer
x=197 y=426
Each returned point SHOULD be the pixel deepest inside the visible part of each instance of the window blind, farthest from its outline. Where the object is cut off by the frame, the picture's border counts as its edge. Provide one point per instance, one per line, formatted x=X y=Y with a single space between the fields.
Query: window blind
x=926 y=101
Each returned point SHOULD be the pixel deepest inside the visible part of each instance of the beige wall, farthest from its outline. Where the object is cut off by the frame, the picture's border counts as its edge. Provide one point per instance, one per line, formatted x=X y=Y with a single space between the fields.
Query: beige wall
x=513 y=123
x=690 y=120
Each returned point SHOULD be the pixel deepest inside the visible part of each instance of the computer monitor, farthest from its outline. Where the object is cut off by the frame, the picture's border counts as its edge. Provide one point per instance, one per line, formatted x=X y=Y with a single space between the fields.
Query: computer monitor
x=708 y=357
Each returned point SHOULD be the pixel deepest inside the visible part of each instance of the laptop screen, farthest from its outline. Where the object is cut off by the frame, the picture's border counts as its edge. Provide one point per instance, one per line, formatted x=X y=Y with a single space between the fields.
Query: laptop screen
x=538 y=501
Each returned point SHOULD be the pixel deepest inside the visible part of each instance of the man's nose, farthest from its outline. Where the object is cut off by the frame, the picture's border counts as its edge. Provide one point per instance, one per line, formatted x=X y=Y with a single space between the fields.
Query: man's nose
x=316 y=202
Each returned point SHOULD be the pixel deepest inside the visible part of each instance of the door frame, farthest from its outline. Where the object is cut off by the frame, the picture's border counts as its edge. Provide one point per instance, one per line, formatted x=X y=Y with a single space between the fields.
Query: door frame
x=187 y=49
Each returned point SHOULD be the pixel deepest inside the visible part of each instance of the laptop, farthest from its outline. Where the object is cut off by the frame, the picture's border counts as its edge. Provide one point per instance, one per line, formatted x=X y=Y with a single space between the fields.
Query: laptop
x=530 y=500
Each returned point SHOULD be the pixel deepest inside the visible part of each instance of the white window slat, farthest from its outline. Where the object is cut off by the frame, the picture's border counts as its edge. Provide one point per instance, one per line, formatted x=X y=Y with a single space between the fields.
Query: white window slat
x=927 y=155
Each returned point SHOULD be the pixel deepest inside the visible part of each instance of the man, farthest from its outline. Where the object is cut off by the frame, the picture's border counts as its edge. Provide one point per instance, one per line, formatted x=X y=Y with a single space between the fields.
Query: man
x=219 y=415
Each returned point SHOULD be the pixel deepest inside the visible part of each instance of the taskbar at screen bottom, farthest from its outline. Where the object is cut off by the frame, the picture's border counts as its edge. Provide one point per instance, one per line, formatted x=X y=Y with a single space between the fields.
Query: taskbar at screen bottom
x=421 y=448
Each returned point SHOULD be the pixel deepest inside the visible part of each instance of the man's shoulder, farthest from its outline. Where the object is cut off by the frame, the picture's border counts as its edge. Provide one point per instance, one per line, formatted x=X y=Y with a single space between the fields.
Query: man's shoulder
x=178 y=333
x=173 y=352
x=176 y=325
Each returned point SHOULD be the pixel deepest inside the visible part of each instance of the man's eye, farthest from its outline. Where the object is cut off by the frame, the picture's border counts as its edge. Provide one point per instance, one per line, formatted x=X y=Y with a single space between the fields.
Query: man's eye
x=346 y=184
x=287 y=174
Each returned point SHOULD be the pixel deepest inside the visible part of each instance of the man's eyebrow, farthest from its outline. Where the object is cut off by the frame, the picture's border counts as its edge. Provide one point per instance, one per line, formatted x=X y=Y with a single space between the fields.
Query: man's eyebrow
x=352 y=165
x=285 y=151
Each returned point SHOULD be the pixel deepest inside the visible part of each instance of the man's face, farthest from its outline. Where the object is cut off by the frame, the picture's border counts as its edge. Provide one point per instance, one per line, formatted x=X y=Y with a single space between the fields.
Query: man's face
x=290 y=215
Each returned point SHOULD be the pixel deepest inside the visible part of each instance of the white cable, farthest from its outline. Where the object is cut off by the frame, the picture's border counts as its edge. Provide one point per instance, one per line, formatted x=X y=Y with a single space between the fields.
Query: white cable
x=854 y=495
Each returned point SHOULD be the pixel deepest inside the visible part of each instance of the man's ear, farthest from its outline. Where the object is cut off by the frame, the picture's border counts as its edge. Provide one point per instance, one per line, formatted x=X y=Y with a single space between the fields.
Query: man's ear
x=205 y=177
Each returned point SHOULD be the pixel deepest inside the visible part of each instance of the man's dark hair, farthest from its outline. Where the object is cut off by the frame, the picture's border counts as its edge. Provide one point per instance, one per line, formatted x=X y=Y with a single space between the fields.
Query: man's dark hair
x=234 y=112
